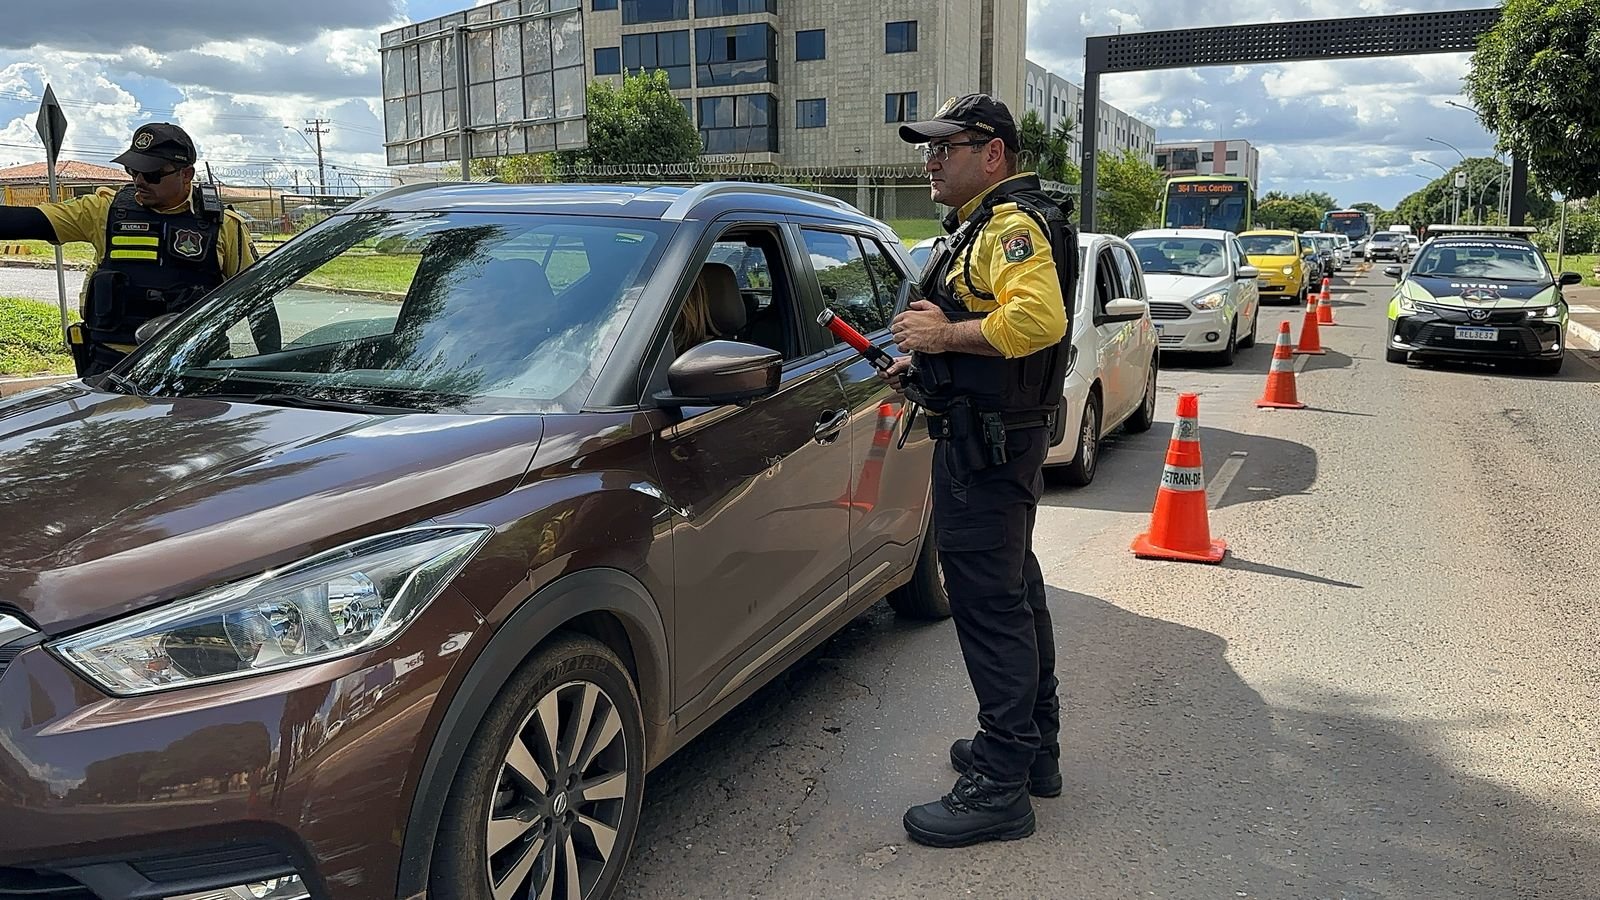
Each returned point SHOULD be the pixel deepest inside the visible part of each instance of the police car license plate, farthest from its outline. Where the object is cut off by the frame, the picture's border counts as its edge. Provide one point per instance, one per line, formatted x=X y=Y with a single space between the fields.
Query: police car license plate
x=1477 y=334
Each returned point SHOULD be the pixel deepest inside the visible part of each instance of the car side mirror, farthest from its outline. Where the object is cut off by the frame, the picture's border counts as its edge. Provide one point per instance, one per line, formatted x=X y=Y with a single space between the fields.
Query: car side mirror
x=720 y=372
x=1393 y=272
x=1124 y=309
x=1248 y=273
x=155 y=326
x=1571 y=278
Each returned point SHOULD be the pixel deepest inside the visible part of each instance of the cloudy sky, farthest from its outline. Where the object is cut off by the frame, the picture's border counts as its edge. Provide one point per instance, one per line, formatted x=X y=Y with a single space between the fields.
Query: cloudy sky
x=235 y=75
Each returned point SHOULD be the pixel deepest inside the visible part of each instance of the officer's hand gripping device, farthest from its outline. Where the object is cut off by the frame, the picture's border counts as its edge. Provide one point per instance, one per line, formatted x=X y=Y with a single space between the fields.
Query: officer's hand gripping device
x=874 y=355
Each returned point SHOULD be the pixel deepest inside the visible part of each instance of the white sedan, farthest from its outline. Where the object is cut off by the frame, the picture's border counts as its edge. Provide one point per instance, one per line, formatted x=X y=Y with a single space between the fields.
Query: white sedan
x=1203 y=292
x=1112 y=382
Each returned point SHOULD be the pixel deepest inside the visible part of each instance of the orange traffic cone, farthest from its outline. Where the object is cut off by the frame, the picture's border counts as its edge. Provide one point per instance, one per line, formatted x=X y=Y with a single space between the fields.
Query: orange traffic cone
x=1280 y=392
x=1324 y=310
x=1179 y=529
x=865 y=496
x=1310 y=337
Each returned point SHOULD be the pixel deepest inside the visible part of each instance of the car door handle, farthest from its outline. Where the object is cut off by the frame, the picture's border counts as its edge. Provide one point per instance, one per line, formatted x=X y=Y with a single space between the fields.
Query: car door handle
x=830 y=424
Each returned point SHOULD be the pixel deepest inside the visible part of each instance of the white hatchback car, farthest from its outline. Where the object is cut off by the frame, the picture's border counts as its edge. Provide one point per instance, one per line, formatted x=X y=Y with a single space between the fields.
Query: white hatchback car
x=1112 y=382
x=1203 y=292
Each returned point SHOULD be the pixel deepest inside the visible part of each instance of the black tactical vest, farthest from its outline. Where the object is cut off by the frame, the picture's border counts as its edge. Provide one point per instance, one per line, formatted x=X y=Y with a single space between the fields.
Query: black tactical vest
x=154 y=264
x=1027 y=385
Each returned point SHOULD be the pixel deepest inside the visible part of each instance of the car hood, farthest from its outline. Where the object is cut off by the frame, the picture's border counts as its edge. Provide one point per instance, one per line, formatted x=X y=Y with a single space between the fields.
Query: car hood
x=1182 y=287
x=1481 y=292
x=111 y=503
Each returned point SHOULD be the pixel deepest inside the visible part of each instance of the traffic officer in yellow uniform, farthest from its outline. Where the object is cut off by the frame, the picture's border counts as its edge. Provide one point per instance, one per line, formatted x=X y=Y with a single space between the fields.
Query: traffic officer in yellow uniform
x=988 y=365
x=158 y=243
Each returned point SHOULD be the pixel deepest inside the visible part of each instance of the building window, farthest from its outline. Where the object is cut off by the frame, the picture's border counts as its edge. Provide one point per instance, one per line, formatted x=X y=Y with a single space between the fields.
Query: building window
x=811 y=113
x=900 y=37
x=742 y=124
x=636 y=11
x=1161 y=160
x=1233 y=156
x=811 y=44
x=708 y=8
x=666 y=50
x=688 y=108
x=745 y=54
x=603 y=4
x=1205 y=156
x=900 y=107
x=607 y=60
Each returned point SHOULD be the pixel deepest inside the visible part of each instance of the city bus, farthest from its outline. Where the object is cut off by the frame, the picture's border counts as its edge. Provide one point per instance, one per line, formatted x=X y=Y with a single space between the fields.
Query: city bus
x=1226 y=202
x=1352 y=223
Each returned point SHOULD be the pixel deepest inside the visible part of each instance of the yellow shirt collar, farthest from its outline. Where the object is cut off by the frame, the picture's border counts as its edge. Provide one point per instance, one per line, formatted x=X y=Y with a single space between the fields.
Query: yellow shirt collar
x=971 y=206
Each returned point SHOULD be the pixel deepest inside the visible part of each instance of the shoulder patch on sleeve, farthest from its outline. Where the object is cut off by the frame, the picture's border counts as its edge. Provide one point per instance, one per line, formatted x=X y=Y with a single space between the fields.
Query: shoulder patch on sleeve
x=1018 y=244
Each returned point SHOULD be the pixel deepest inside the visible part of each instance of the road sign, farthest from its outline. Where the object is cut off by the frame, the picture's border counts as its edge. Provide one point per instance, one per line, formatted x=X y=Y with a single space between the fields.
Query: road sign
x=52 y=125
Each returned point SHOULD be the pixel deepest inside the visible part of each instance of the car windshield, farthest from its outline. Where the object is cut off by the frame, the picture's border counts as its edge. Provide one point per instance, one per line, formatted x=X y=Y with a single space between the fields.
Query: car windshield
x=1267 y=245
x=1501 y=260
x=465 y=312
x=1181 y=256
x=919 y=256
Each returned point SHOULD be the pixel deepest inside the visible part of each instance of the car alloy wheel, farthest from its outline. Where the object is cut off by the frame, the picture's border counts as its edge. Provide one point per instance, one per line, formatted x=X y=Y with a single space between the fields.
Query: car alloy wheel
x=559 y=804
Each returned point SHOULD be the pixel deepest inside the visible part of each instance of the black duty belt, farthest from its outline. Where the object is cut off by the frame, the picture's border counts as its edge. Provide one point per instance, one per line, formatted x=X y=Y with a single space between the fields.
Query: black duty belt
x=939 y=426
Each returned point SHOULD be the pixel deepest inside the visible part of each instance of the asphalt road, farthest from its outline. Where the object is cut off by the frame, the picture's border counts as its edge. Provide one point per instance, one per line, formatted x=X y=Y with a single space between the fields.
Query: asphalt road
x=1388 y=690
x=38 y=284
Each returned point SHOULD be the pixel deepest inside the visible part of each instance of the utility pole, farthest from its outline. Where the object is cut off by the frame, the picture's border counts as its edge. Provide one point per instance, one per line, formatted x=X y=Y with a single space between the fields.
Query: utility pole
x=315 y=127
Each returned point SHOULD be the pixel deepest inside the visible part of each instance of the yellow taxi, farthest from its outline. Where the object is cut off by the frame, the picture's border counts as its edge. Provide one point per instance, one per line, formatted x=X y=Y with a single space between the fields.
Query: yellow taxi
x=1280 y=256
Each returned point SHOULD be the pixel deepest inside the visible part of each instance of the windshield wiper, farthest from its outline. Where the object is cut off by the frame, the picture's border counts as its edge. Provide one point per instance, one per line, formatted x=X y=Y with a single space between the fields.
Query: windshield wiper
x=300 y=401
x=122 y=384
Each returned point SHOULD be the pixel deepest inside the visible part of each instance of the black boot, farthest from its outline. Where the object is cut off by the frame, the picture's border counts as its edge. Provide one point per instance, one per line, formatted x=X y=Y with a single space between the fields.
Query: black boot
x=977 y=810
x=1044 y=775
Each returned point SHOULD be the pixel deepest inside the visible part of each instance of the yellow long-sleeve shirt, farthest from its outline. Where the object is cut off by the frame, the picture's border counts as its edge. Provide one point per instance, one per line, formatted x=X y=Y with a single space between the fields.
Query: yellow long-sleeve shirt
x=1011 y=259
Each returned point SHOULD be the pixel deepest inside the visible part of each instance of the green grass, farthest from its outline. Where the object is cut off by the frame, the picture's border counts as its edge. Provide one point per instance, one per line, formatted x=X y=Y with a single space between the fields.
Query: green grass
x=1582 y=263
x=30 y=339
x=77 y=251
x=914 y=230
x=390 y=275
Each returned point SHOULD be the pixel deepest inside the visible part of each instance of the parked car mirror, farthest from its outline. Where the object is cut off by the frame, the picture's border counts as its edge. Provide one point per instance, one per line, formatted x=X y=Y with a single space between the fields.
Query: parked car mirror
x=720 y=372
x=153 y=327
x=1393 y=272
x=1248 y=273
x=1124 y=309
x=1571 y=278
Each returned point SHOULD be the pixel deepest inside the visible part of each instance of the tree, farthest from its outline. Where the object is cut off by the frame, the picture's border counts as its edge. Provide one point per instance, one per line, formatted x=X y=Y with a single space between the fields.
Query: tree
x=1368 y=207
x=1533 y=79
x=1291 y=214
x=1129 y=193
x=639 y=123
x=1322 y=202
x=1047 y=152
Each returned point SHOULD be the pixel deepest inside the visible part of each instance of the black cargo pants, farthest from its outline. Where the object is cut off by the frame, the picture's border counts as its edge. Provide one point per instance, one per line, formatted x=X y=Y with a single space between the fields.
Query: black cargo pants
x=983 y=526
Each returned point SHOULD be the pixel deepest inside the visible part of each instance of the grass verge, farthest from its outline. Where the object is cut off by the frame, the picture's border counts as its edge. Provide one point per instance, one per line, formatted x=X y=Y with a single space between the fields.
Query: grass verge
x=30 y=339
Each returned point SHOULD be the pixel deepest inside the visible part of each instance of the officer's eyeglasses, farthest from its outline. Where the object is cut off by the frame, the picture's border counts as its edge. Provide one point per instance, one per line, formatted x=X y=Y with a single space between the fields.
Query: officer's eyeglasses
x=150 y=177
x=941 y=151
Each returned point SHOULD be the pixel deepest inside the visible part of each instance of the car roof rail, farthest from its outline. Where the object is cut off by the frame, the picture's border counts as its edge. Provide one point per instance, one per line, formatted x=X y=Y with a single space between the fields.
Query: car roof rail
x=700 y=193
x=1503 y=230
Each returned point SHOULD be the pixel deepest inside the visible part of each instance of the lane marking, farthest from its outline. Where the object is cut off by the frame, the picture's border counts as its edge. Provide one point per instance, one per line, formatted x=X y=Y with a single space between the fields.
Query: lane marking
x=1578 y=308
x=1225 y=473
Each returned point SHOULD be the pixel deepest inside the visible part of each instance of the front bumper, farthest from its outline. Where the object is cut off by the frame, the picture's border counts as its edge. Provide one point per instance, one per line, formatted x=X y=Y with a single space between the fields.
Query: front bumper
x=306 y=772
x=1514 y=335
x=1200 y=331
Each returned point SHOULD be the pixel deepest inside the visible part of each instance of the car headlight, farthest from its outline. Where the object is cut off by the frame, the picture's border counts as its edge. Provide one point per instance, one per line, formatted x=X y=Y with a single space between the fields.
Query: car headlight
x=1213 y=300
x=1552 y=311
x=1409 y=304
x=1288 y=270
x=336 y=603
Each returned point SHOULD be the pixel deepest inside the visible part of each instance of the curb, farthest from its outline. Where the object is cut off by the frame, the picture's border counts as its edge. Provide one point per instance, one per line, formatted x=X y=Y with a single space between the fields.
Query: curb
x=16 y=263
x=1583 y=333
x=9 y=386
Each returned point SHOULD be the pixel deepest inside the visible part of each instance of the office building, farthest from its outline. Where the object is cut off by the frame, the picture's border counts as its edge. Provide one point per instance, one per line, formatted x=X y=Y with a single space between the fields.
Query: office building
x=812 y=83
x=1210 y=158
x=1057 y=100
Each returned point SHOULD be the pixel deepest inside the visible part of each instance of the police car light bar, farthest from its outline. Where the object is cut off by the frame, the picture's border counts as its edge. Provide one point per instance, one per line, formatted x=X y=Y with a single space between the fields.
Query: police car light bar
x=1517 y=230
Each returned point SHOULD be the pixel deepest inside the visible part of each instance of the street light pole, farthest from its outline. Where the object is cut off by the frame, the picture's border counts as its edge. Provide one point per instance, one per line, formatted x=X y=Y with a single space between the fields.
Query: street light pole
x=1456 y=219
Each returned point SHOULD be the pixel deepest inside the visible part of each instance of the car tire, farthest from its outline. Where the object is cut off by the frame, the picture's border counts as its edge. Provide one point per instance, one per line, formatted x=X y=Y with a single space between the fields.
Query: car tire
x=1255 y=322
x=578 y=837
x=923 y=597
x=1224 y=357
x=1080 y=472
x=1549 y=366
x=1145 y=415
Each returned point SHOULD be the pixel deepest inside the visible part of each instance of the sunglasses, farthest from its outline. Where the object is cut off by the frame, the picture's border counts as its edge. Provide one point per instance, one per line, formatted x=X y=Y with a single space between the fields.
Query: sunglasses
x=941 y=151
x=150 y=177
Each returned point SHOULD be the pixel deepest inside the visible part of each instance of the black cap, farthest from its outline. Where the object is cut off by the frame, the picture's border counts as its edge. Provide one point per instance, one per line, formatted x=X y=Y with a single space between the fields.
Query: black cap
x=973 y=112
x=155 y=145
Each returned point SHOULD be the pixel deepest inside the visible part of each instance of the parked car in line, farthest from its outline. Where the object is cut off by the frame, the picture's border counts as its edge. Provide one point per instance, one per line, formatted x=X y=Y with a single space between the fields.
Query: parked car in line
x=1480 y=292
x=348 y=597
x=1389 y=245
x=1414 y=244
x=1341 y=246
x=1202 y=288
x=1116 y=354
x=919 y=253
x=1287 y=272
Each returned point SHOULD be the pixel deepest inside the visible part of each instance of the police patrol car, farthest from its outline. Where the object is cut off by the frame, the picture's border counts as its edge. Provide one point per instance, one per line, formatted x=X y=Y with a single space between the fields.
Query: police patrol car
x=1482 y=292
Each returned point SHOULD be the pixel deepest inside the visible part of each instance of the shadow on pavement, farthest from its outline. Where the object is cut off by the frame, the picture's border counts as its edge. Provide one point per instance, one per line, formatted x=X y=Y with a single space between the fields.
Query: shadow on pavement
x=1332 y=359
x=1233 y=561
x=1585 y=370
x=1137 y=460
x=1181 y=781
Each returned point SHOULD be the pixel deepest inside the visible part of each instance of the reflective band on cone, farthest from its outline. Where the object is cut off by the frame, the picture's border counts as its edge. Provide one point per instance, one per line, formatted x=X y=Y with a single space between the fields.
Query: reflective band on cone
x=1310 y=337
x=1179 y=528
x=1324 y=309
x=1280 y=392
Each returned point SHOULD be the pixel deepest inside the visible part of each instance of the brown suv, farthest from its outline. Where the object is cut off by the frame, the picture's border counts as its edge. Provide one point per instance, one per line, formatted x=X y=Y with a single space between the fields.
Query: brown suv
x=391 y=567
